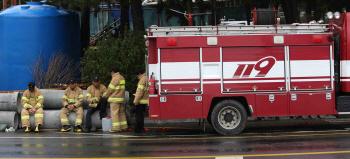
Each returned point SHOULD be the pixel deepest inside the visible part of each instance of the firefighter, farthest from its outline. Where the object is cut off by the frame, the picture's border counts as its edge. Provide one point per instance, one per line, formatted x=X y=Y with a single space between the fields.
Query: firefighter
x=32 y=102
x=72 y=101
x=141 y=100
x=94 y=97
x=115 y=94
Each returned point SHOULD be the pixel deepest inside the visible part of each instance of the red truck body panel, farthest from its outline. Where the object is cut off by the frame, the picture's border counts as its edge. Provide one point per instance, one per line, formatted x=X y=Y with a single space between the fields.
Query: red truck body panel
x=292 y=78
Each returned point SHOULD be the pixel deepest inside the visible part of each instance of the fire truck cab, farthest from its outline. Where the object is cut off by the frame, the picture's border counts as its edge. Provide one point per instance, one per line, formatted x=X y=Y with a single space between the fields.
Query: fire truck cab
x=226 y=74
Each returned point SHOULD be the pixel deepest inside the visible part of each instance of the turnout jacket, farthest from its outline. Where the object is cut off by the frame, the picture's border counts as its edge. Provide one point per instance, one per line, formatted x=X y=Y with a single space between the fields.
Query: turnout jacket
x=73 y=97
x=93 y=93
x=116 y=89
x=142 y=92
x=32 y=99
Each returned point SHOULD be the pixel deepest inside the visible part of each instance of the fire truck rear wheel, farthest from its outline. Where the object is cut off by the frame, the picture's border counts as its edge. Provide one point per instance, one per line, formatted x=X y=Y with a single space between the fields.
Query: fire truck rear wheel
x=229 y=117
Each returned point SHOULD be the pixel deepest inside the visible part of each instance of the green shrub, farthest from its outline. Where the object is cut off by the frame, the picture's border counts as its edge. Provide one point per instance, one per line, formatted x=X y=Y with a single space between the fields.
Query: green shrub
x=128 y=53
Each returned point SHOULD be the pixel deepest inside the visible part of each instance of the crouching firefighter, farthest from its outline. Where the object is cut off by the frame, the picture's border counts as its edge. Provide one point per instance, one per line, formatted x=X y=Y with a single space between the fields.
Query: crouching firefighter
x=116 y=94
x=72 y=101
x=32 y=102
x=94 y=97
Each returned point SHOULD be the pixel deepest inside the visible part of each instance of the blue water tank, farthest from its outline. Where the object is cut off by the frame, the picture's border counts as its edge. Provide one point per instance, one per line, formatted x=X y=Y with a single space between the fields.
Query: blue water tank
x=28 y=32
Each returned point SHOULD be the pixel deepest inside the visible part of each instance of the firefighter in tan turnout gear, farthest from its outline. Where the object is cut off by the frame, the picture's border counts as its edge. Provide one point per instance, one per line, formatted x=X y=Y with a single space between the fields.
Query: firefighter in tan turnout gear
x=32 y=102
x=141 y=100
x=116 y=94
x=72 y=101
x=94 y=95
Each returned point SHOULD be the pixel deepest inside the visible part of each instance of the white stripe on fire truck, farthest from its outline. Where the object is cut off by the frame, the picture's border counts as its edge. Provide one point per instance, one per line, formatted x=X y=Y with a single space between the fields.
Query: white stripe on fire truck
x=181 y=82
x=251 y=81
x=255 y=81
x=307 y=80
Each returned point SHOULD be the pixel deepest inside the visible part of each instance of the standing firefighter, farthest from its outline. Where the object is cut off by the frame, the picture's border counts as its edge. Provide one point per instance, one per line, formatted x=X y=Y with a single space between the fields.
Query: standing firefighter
x=72 y=101
x=94 y=97
x=141 y=100
x=116 y=94
x=32 y=102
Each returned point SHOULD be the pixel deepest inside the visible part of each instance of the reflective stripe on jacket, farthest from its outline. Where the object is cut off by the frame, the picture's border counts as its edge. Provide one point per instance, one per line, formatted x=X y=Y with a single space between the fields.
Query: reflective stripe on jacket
x=73 y=97
x=116 y=89
x=32 y=99
x=93 y=93
x=142 y=92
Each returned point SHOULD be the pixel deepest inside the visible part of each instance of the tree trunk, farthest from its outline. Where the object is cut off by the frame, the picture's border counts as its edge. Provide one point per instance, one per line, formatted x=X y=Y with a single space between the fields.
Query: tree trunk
x=137 y=16
x=85 y=29
x=264 y=3
x=290 y=11
x=248 y=14
x=124 y=16
x=213 y=13
x=295 y=11
x=201 y=7
x=287 y=12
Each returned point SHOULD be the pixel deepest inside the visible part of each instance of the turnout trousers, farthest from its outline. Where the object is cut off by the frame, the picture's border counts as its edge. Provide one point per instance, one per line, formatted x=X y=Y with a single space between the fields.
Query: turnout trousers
x=102 y=106
x=118 y=116
x=139 y=117
x=64 y=116
x=39 y=117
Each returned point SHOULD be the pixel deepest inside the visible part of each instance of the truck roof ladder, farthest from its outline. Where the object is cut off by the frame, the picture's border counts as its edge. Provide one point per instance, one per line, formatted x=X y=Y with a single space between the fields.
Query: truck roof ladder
x=237 y=30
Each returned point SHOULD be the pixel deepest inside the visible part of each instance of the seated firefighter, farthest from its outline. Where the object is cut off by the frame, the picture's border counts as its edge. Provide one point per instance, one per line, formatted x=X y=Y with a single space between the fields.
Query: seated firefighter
x=72 y=101
x=32 y=102
x=94 y=97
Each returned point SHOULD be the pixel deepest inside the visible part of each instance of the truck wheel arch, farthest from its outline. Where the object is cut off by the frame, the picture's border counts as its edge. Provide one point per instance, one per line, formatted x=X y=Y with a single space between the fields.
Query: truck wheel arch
x=240 y=99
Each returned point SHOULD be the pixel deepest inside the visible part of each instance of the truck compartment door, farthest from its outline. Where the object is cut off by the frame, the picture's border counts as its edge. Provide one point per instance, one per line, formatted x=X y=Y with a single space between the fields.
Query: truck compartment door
x=310 y=68
x=272 y=104
x=251 y=69
x=180 y=71
x=184 y=106
x=311 y=103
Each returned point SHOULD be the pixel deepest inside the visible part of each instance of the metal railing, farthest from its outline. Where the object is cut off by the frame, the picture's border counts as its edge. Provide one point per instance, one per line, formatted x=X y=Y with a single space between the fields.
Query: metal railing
x=105 y=31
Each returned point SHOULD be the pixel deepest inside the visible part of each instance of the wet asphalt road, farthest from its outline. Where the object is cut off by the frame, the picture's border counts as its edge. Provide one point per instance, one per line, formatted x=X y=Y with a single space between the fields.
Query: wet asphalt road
x=326 y=138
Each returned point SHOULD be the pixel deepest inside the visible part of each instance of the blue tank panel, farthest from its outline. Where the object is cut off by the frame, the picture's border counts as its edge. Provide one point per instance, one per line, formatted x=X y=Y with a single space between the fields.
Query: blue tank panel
x=30 y=31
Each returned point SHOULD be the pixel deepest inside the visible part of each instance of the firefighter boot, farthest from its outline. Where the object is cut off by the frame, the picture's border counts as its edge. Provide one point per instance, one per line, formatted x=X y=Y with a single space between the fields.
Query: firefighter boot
x=87 y=129
x=114 y=131
x=65 y=128
x=78 y=128
x=37 y=128
x=27 y=130
x=124 y=130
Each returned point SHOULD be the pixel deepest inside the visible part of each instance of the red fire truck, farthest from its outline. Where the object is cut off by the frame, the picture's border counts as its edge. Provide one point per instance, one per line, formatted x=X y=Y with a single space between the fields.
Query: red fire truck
x=226 y=74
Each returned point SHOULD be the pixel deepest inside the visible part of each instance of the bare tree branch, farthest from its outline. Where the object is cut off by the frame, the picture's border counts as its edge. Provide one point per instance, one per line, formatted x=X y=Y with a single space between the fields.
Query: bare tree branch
x=61 y=68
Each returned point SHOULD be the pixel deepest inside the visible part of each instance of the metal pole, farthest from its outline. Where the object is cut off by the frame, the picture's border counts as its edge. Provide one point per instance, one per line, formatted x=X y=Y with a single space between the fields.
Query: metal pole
x=190 y=16
x=98 y=22
x=103 y=22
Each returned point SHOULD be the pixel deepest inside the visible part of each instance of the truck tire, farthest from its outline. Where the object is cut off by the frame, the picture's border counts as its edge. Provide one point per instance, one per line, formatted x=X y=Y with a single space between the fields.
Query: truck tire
x=229 y=117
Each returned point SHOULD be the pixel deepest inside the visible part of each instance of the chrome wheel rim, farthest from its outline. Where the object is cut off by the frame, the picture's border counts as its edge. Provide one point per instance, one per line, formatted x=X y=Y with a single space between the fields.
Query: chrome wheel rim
x=229 y=117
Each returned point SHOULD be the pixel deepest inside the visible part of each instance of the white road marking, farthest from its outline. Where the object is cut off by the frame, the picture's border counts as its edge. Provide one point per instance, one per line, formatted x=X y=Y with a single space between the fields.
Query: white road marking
x=228 y=157
x=319 y=131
